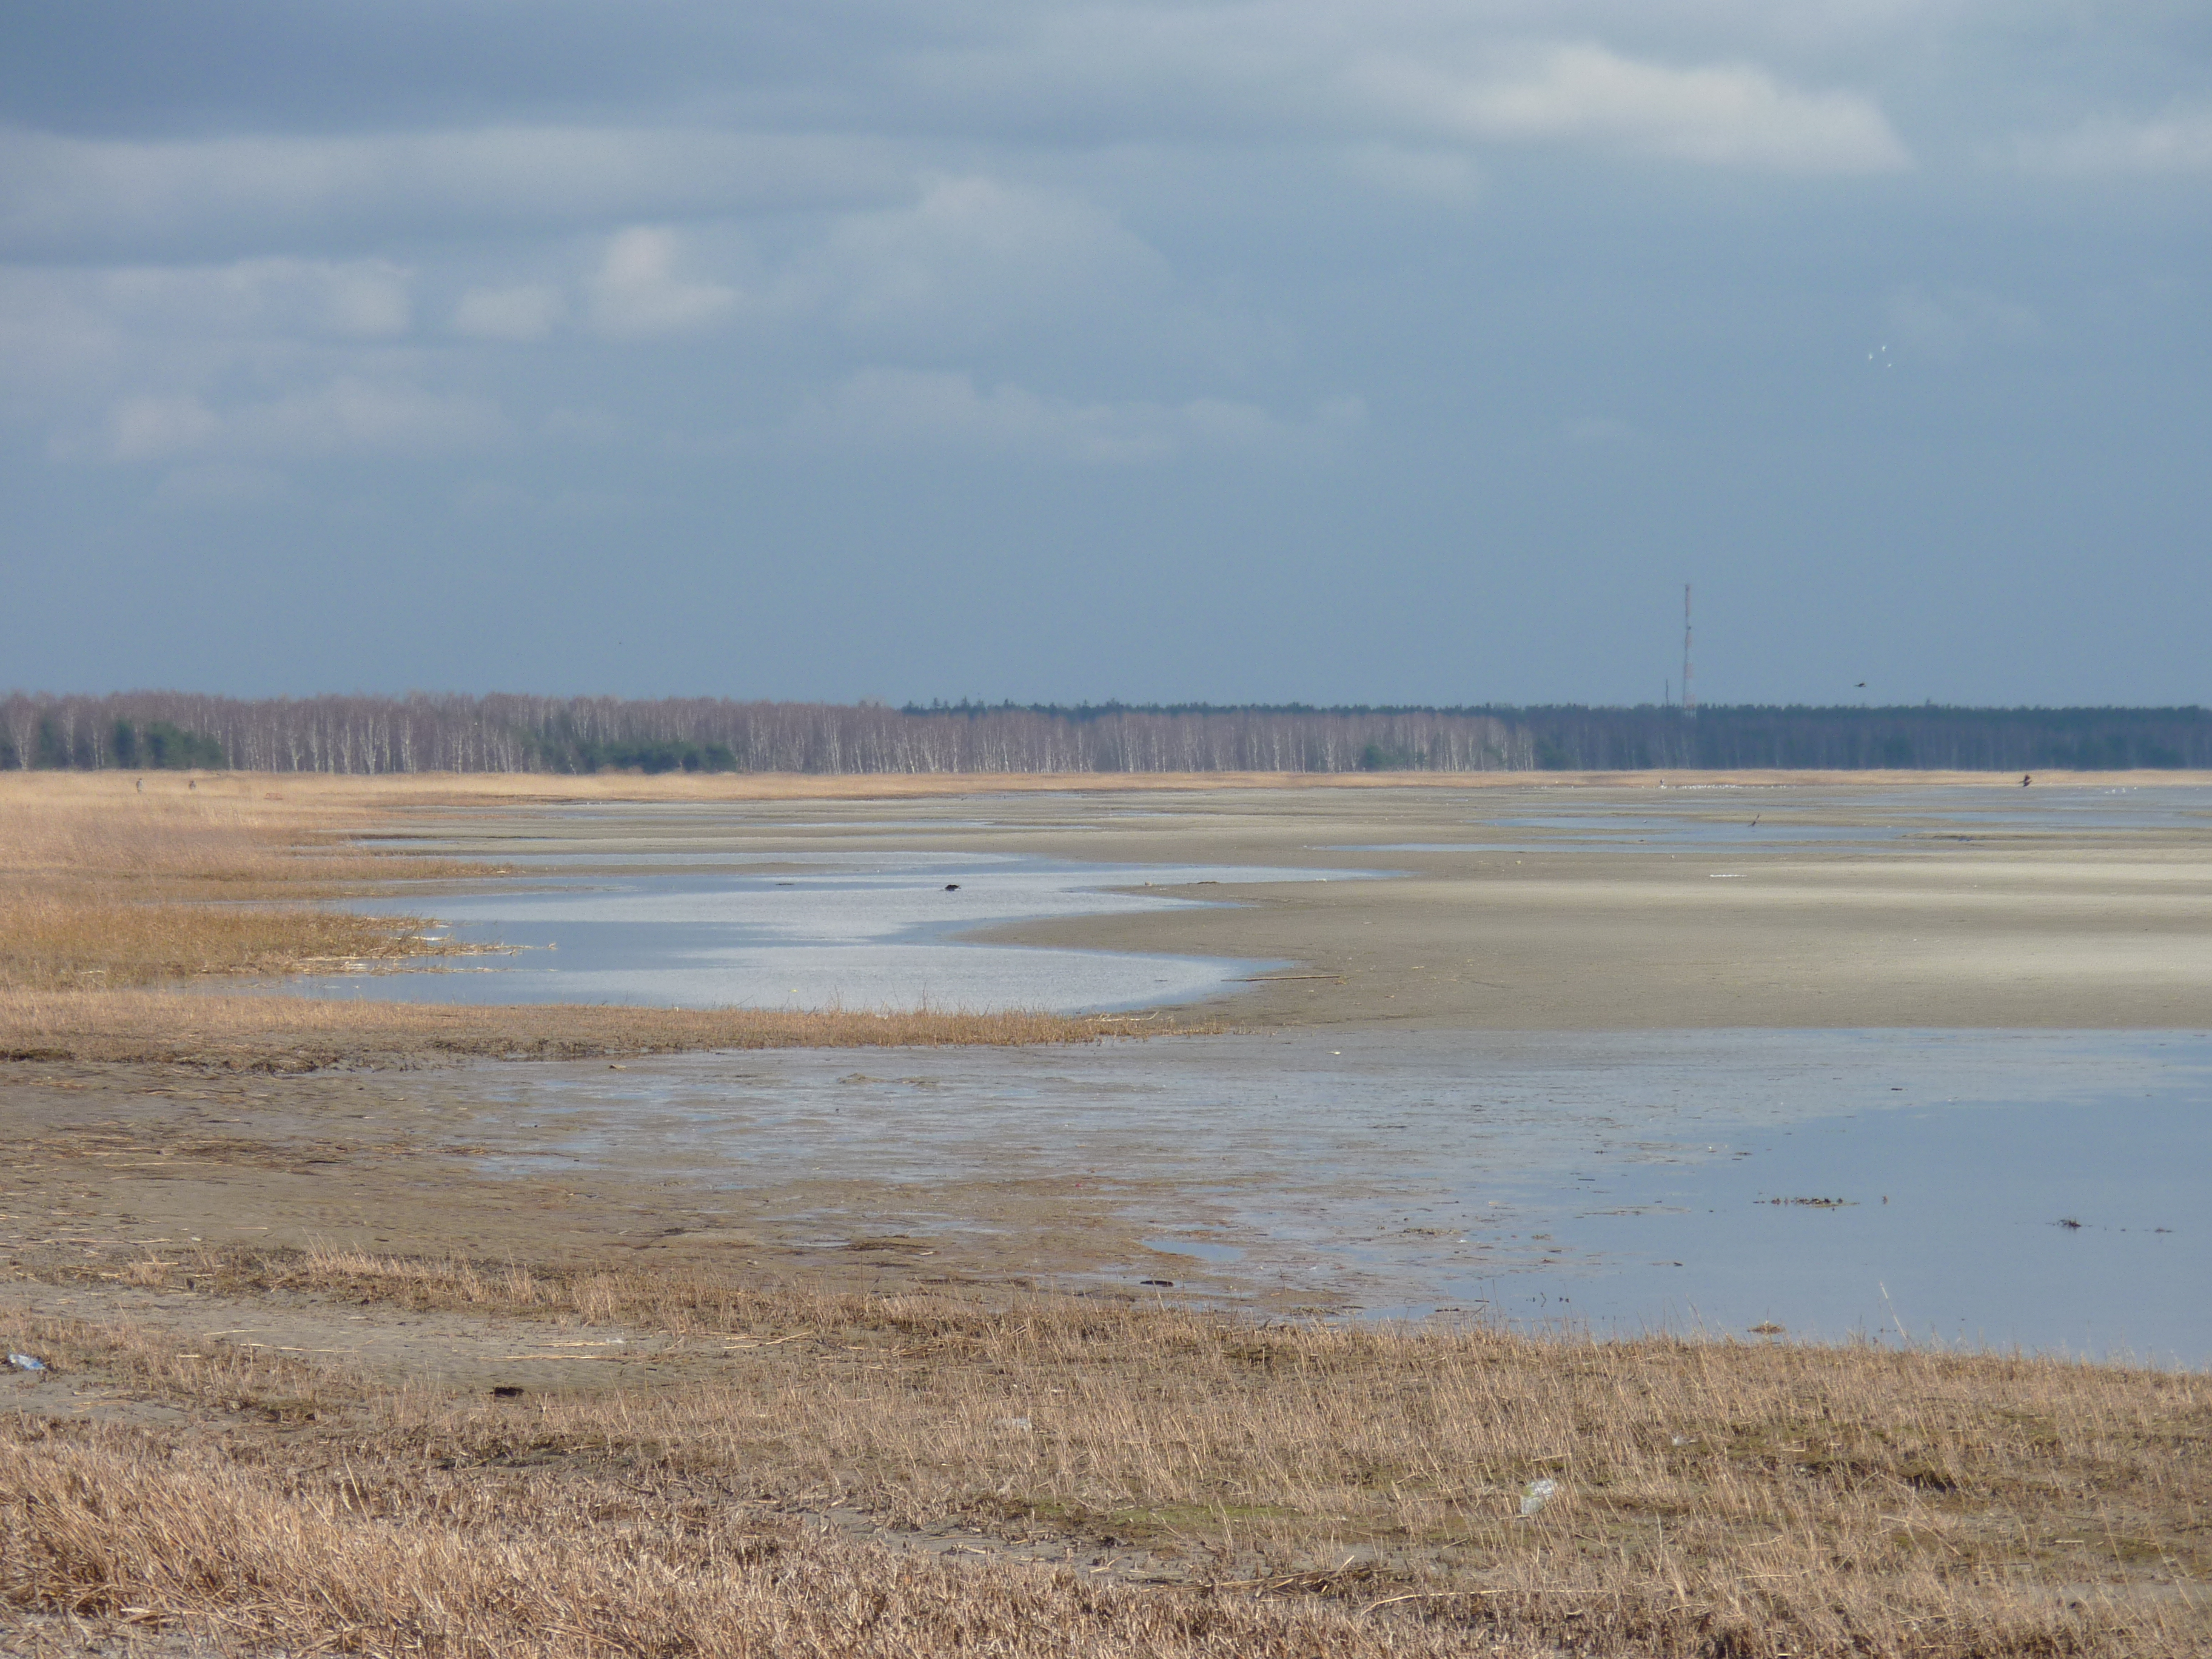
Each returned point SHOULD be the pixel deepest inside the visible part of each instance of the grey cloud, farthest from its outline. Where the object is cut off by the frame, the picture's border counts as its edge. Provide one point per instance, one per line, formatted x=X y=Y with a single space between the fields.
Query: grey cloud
x=641 y=289
x=347 y=416
x=125 y=362
x=2179 y=143
x=1693 y=88
x=973 y=256
x=1730 y=114
x=148 y=428
x=266 y=298
x=967 y=259
x=65 y=195
x=1074 y=287
x=527 y=311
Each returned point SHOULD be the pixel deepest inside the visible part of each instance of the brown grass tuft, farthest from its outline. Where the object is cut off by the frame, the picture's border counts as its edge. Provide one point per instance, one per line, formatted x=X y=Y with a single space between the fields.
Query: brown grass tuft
x=1715 y=1498
x=103 y=890
x=297 y=1033
x=111 y=1527
x=106 y=896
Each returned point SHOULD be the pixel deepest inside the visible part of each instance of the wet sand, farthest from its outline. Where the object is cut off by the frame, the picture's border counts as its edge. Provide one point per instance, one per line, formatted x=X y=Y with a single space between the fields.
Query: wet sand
x=2081 y=904
x=2010 y=925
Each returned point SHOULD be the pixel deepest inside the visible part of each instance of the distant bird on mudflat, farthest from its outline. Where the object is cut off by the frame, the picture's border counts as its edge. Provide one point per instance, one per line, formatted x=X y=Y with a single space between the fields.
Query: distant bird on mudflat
x=952 y=886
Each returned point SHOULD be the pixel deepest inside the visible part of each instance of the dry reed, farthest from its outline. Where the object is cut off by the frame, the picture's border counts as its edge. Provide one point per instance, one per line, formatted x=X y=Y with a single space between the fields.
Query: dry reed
x=105 y=892
x=297 y=1033
x=138 y=1533
x=1715 y=1498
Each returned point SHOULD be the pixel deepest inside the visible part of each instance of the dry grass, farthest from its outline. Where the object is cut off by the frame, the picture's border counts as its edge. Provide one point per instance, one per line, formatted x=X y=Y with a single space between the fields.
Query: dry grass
x=295 y=1033
x=105 y=892
x=1716 y=1499
x=103 y=888
x=111 y=1527
x=305 y=795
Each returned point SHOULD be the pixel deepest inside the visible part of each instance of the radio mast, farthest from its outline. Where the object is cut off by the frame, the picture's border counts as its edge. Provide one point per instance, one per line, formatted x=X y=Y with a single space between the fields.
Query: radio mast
x=1689 y=696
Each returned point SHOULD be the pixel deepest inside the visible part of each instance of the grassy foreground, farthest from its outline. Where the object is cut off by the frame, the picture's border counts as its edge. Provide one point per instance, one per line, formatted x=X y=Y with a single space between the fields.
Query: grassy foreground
x=1120 y=1480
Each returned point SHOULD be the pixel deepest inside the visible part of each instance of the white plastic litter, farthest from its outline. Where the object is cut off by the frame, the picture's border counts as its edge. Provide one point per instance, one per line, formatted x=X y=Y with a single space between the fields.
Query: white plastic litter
x=1540 y=1493
x=23 y=1362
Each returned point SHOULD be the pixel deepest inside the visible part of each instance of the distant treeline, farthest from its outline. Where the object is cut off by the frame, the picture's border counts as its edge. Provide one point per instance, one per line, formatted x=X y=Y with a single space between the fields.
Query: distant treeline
x=143 y=730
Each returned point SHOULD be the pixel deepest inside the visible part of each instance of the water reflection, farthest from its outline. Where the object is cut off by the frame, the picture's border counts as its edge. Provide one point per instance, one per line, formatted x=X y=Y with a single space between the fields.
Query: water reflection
x=1622 y=1180
x=857 y=930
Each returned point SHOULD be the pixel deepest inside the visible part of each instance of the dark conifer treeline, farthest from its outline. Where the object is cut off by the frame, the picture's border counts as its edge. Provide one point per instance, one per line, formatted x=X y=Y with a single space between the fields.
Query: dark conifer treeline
x=509 y=733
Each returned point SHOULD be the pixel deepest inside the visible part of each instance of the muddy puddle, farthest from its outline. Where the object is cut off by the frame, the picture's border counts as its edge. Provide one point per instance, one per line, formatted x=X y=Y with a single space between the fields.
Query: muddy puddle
x=2036 y=1189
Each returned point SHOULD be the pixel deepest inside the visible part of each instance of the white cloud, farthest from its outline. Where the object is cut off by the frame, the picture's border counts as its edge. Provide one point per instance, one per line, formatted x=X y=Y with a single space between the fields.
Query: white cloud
x=973 y=258
x=2179 y=143
x=348 y=416
x=150 y=428
x=60 y=192
x=911 y=409
x=637 y=291
x=369 y=301
x=1730 y=114
x=526 y=313
x=351 y=414
x=355 y=299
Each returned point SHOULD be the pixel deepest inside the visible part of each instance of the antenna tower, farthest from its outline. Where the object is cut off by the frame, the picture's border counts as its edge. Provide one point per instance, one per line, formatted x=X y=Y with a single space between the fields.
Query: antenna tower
x=1689 y=696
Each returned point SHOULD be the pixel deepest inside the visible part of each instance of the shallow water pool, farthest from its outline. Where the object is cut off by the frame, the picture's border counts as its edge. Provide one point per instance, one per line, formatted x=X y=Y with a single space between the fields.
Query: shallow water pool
x=1619 y=1181
x=856 y=930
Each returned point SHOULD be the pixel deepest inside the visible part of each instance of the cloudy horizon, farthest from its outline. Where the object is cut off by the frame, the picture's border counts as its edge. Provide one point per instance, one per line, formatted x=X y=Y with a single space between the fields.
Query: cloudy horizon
x=1265 y=351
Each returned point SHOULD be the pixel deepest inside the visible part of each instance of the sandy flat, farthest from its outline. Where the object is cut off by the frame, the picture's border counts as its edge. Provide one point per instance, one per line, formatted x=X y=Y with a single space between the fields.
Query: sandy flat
x=2013 y=928
x=1977 y=905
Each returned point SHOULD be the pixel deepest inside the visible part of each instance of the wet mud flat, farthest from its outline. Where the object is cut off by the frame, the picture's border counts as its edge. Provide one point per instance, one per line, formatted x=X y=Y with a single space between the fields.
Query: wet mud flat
x=1630 y=1057
x=1980 y=1189
x=1521 y=905
x=1713 y=1181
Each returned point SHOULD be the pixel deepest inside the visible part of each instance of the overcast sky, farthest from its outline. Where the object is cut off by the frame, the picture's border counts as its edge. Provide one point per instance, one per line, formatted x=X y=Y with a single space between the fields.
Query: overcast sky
x=1393 y=350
